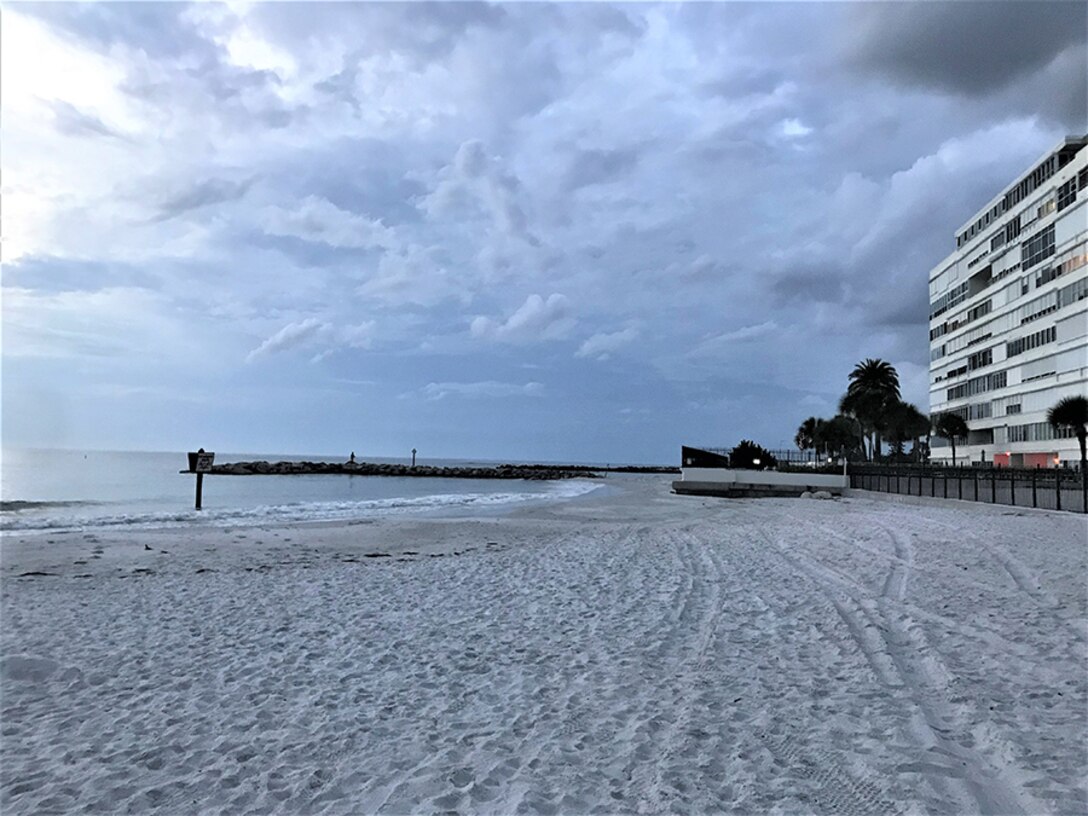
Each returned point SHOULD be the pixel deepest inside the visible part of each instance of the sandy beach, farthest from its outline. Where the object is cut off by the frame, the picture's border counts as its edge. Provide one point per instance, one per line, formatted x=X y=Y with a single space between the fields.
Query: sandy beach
x=629 y=651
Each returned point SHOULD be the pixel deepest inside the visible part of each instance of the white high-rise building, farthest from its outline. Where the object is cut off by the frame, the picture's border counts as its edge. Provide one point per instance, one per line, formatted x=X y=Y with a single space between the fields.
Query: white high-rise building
x=1008 y=321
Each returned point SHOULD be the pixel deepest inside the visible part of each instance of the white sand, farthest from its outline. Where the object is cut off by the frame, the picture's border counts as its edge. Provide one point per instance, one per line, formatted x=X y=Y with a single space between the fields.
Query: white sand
x=638 y=653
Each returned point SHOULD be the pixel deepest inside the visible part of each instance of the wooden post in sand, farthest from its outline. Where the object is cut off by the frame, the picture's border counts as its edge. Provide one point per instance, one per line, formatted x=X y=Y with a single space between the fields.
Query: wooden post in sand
x=200 y=462
x=413 y=457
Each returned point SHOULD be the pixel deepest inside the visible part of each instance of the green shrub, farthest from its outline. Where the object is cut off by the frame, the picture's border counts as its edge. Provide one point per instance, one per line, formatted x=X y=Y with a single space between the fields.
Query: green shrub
x=750 y=456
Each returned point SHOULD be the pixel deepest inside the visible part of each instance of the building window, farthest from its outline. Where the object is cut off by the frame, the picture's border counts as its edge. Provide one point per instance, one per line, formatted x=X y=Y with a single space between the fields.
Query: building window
x=1067 y=194
x=1038 y=432
x=1027 y=343
x=979 y=385
x=980 y=359
x=975 y=312
x=1047 y=275
x=1038 y=247
x=1013 y=409
x=1045 y=209
x=1078 y=290
x=953 y=297
x=1012 y=229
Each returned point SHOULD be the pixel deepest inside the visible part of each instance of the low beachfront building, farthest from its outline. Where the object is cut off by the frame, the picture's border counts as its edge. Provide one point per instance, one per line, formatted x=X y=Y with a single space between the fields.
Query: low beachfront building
x=1008 y=317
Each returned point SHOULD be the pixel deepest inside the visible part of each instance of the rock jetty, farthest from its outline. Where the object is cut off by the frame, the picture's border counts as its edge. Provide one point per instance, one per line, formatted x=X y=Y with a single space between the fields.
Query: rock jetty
x=263 y=468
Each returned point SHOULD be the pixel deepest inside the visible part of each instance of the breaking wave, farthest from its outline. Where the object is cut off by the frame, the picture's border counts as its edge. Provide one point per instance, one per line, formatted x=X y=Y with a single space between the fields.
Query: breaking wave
x=277 y=513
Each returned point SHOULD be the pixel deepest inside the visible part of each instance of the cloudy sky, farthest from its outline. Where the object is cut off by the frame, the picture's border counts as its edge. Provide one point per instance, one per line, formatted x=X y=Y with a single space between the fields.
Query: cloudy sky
x=546 y=231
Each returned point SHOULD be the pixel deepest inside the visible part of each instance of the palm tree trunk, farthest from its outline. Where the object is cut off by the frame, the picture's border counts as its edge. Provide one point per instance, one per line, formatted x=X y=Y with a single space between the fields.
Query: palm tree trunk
x=953 y=441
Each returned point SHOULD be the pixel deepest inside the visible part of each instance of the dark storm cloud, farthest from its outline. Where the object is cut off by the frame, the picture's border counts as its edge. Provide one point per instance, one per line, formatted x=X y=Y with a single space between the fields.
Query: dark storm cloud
x=71 y=121
x=903 y=306
x=590 y=167
x=158 y=29
x=967 y=48
x=740 y=176
x=801 y=286
x=186 y=61
x=245 y=97
x=202 y=194
x=377 y=184
x=421 y=31
x=745 y=82
x=306 y=253
x=229 y=82
x=45 y=273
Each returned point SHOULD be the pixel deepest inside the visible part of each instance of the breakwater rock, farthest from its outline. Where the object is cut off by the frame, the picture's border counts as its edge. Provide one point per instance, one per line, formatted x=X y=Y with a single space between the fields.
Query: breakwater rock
x=607 y=468
x=263 y=468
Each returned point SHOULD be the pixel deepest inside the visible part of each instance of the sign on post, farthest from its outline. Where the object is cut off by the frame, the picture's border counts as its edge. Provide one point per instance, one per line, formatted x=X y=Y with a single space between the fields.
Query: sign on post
x=200 y=462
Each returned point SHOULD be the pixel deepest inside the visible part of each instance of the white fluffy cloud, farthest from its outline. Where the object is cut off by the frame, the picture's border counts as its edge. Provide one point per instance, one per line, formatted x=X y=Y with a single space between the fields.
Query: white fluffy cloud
x=317 y=219
x=477 y=390
x=315 y=335
x=476 y=177
x=602 y=345
x=536 y=319
x=290 y=336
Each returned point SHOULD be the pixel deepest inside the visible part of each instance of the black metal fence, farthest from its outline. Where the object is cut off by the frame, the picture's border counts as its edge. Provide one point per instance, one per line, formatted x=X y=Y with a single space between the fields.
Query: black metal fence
x=1048 y=488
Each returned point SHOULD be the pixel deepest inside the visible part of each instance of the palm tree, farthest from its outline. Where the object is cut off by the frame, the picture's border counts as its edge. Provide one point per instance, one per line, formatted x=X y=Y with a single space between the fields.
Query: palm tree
x=874 y=387
x=906 y=422
x=840 y=435
x=1072 y=412
x=950 y=426
x=807 y=434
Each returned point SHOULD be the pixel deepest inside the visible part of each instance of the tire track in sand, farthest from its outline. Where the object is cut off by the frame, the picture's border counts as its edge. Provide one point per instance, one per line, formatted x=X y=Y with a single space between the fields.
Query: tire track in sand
x=703 y=600
x=1022 y=576
x=835 y=788
x=894 y=645
x=993 y=639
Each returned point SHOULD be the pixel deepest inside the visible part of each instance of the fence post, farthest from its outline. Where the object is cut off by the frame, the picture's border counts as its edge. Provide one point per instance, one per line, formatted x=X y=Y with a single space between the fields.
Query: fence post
x=1034 y=487
x=897 y=481
x=959 y=483
x=974 y=473
x=1083 y=491
x=944 y=478
x=1058 y=488
x=932 y=485
x=1012 y=489
x=993 y=485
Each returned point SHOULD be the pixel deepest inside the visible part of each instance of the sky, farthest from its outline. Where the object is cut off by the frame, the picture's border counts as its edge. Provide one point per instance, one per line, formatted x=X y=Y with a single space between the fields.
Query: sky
x=581 y=232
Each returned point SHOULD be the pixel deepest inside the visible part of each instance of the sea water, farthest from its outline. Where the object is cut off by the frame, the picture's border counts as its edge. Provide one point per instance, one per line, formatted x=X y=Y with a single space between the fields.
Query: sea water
x=54 y=490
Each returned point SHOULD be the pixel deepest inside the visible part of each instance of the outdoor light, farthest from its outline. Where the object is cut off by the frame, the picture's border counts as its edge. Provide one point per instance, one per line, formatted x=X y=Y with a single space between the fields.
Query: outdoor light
x=755 y=461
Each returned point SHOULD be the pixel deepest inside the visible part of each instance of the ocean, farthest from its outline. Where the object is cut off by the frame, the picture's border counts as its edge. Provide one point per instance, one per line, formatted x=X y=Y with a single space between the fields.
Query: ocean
x=57 y=490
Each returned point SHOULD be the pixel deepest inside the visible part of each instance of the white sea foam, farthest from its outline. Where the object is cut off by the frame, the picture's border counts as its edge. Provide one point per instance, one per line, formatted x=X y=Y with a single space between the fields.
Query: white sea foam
x=15 y=522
